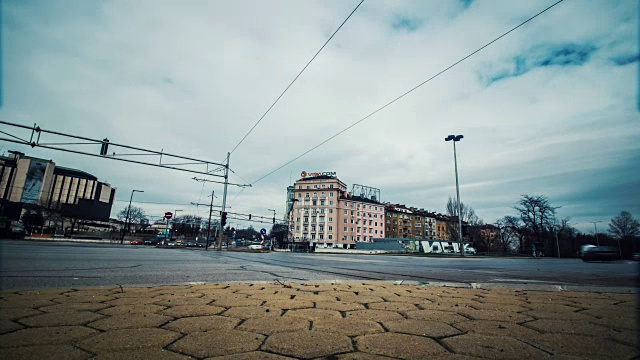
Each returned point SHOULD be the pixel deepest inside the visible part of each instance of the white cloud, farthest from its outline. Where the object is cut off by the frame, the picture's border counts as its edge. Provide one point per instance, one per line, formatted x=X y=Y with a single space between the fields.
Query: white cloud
x=192 y=78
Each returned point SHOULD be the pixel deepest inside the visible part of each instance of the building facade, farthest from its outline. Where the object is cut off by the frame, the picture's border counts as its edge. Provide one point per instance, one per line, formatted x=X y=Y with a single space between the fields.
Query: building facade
x=324 y=214
x=29 y=182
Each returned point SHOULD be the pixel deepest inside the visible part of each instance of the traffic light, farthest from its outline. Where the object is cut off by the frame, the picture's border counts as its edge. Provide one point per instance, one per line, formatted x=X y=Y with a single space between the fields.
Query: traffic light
x=249 y=216
x=105 y=147
x=274 y=219
x=223 y=219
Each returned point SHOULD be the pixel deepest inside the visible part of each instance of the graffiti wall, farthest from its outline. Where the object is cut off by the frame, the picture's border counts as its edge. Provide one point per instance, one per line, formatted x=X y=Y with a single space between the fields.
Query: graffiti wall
x=33 y=182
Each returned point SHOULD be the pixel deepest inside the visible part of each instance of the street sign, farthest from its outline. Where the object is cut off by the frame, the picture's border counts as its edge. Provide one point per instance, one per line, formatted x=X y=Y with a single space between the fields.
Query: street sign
x=263 y=231
x=168 y=215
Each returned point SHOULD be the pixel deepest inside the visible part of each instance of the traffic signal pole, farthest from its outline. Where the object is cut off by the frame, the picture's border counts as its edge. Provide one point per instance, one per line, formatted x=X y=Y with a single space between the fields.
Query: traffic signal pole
x=206 y=244
x=224 y=201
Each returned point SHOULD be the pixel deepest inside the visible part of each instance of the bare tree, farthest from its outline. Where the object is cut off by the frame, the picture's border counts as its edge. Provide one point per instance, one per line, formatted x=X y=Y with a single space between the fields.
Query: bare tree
x=136 y=215
x=468 y=216
x=537 y=216
x=625 y=228
x=511 y=236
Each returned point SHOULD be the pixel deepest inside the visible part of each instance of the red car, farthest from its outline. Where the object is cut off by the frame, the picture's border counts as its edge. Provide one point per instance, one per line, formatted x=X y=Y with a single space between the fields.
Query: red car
x=136 y=242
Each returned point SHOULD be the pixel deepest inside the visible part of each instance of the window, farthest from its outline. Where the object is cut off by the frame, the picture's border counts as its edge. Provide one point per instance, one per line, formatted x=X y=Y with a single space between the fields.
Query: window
x=352 y=205
x=297 y=219
x=307 y=187
x=299 y=187
x=330 y=219
x=330 y=237
x=395 y=222
x=345 y=221
x=371 y=230
x=358 y=238
x=388 y=221
x=352 y=212
x=376 y=231
x=395 y=215
x=369 y=214
x=315 y=194
x=306 y=219
x=359 y=229
x=313 y=236
x=330 y=228
x=331 y=186
x=313 y=228
x=358 y=206
x=352 y=231
x=306 y=228
x=375 y=216
x=314 y=202
x=346 y=212
x=306 y=195
x=330 y=194
x=313 y=219
x=322 y=194
x=376 y=223
x=370 y=222
x=321 y=236
x=299 y=195
x=323 y=186
x=322 y=202
x=352 y=221
x=298 y=228
x=345 y=228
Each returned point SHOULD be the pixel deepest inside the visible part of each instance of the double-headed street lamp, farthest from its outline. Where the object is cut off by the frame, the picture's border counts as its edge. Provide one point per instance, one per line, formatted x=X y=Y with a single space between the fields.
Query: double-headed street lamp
x=126 y=221
x=455 y=139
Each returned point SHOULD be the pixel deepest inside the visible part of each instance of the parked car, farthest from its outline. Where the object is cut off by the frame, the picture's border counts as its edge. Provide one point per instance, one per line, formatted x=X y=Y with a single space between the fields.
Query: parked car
x=136 y=242
x=171 y=243
x=150 y=242
x=255 y=247
x=191 y=243
x=470 y=251
x=606 y=253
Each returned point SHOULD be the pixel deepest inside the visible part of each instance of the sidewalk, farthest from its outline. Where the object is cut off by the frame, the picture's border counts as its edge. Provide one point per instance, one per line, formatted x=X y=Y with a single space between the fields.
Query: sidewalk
x=332 y=321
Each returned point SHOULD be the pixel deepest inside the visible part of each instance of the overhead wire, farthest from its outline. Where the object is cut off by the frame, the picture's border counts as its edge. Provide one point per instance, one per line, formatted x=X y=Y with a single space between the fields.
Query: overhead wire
x=407 y=92
x=296 y=78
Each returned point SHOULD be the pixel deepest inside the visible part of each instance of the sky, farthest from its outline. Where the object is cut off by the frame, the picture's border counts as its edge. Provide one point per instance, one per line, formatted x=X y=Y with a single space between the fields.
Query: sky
x=550 y=109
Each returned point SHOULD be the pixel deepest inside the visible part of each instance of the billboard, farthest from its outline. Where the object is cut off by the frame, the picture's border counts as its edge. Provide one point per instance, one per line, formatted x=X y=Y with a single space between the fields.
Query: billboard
x=33 y=181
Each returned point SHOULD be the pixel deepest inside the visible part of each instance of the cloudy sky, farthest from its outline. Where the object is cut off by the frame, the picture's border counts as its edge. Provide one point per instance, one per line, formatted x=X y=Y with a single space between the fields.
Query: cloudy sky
x=550 y=109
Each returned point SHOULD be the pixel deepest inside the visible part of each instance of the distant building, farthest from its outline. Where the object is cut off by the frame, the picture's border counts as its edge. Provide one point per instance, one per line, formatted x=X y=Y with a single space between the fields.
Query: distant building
x=29 y=182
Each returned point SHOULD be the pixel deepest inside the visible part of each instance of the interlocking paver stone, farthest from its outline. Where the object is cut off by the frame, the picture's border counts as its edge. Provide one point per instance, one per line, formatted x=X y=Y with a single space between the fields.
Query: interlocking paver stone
x=8 y=326
x=583 y=346
x=128 y=339
x=229 y=302
x=251 y=356
x=496 y=315
x=339 y=306
x=45 y=336
x=131 y=301
x=313 y=314
x=194 y=324
x=218 y=343
x=83 y=298
x=289 y=304
x=393 y=306
x=400 y=346
x=307 y=344
x=187 y=301
x=348 y=327
x=361 y=299
x=251 y=312
x=272 y=325
x=132 y=309
x=375 y=315
x=66 y=318
x=17 y=313
x=74 y=307
x=192 y=310
x=493 y=347
x=421 y=327
x=129 y=321
x=496 y=328
x=27 y=304
x=143 y=354
x=618 y=318
x=565 y=327
x=49 y=352
x=361 y=356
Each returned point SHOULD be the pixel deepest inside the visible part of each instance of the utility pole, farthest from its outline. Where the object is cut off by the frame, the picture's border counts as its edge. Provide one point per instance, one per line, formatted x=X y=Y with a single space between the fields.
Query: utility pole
x=209 y=223
x=455 y=139
x=224 y=200
x=126 y=221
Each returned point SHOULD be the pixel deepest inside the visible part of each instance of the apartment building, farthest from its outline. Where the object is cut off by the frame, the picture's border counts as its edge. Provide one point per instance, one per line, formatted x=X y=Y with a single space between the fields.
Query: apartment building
x=324 y=214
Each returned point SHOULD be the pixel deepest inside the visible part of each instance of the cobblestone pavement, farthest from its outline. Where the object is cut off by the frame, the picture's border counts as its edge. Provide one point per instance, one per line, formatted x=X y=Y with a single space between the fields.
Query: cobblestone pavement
x=334 y=321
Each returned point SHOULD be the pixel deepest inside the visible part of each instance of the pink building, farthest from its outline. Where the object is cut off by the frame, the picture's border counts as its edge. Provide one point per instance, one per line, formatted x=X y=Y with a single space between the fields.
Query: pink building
x=325 y=214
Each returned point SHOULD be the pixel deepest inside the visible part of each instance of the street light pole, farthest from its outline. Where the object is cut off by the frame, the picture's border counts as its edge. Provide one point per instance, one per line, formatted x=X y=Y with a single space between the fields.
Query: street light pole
x=596 y=229
x=126 y=221
x=455 y=139
x=174 y=220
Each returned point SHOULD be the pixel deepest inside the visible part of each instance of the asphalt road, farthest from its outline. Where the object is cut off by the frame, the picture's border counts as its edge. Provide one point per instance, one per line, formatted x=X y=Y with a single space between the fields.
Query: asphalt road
x=36 y=265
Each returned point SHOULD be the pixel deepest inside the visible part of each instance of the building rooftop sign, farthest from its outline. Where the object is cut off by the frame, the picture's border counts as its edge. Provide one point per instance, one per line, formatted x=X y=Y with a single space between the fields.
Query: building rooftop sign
x=305 y=174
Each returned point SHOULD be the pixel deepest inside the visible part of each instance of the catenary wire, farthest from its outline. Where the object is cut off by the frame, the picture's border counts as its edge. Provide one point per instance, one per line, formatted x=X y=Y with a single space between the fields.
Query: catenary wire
x=296 y=78
x=406 y=93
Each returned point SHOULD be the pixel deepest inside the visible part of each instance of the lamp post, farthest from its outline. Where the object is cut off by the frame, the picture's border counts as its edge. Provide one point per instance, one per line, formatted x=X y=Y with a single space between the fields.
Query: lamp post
x=456 y=138
x=126 y=221
x=596 y=230
x=206 y=244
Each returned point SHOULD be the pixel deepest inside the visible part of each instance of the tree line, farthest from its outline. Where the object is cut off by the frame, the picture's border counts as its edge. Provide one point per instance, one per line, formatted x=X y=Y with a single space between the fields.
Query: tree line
x=535 y=229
